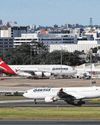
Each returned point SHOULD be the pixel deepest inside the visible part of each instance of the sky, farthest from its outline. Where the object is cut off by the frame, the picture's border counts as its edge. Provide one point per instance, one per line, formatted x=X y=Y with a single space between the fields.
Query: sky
x=50 y=12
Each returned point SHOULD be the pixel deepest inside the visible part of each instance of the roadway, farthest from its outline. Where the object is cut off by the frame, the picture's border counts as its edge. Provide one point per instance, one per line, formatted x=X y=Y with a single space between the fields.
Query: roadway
x=50 y=122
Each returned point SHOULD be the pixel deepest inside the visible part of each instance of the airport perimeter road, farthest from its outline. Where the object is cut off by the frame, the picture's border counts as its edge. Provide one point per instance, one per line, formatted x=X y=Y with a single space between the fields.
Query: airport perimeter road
x=49 y=122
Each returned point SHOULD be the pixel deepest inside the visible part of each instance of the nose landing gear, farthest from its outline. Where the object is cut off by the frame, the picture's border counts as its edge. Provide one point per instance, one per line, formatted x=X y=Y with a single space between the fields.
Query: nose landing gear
x=35 y=102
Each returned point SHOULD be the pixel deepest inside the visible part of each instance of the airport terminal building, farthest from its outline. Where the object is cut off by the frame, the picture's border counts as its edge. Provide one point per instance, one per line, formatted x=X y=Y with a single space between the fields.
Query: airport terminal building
x=84 y=45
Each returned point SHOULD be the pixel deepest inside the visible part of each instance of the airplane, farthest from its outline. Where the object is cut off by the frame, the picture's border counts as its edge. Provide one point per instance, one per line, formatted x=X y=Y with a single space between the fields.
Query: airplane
x=72 y=95
x=82 y=75
x=86 y=71
x=33 y=71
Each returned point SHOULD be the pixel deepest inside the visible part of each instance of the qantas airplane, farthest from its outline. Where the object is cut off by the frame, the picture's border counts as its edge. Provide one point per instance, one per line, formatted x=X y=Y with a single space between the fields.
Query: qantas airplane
x=88 y=71
x=72 y=95
x=33 y=71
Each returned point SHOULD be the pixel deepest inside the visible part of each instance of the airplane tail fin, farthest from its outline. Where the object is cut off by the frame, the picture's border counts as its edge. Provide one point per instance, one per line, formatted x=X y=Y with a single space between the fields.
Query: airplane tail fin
x=5 y=68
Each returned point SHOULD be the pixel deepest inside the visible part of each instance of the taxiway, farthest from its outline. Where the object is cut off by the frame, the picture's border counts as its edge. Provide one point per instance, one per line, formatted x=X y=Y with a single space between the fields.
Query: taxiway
x=41 y=103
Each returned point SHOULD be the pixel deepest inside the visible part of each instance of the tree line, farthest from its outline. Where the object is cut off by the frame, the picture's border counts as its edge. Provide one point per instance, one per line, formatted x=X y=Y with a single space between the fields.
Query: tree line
x=25 y=54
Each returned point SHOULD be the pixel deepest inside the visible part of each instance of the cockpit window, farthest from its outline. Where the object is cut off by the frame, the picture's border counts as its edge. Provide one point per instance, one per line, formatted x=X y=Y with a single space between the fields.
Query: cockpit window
x=26 y=91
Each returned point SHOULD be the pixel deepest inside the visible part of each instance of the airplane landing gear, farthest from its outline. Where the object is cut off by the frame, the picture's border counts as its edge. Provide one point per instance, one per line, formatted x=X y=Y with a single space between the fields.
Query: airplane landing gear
x=35 y=101
x=80 y=103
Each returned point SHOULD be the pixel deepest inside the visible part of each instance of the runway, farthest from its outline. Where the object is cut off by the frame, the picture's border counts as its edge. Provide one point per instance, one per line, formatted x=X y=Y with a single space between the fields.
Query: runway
x=50 y=122
x=41 y=103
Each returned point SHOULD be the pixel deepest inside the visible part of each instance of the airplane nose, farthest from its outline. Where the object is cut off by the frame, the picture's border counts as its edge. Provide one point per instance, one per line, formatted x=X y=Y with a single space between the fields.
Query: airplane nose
x=27 y=95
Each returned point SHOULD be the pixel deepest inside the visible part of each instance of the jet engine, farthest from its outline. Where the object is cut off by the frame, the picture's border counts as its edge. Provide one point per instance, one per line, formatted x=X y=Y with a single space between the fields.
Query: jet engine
x=24 y=74
x=38 y=73
x=49 y=99
x=47 y=74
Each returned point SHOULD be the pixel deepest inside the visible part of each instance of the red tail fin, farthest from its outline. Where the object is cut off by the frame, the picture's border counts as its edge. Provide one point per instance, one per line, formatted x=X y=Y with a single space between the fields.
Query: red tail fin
x=6 y=68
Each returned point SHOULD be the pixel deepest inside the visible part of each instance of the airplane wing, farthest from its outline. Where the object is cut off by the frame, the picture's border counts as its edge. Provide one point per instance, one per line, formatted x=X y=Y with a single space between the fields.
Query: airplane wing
x=72 y=98
x=37 y=73
x=76 y=95
x=69 y=95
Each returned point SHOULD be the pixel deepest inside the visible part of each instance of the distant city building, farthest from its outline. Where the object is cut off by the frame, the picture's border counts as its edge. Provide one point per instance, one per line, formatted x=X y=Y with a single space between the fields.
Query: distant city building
x=56 y=38
x=1 y=23
x=5 y=31
x=14 y=31
x=6 y=43
x=29 y=39
x=69 y=37
x=25 y=38
x=80 y=46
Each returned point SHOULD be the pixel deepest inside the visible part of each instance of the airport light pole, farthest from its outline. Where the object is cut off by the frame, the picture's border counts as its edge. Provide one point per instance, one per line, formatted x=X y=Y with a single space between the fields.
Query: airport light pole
x=62 y=50
x=90 y=54
x=30 y=53
x=61 y=58
x=3 y=51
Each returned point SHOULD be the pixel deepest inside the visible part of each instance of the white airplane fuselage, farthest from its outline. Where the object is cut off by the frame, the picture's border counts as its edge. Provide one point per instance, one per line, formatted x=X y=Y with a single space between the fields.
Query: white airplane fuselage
x=37 y=70
x=90 y=70
x=52 y=93
x=46 y=70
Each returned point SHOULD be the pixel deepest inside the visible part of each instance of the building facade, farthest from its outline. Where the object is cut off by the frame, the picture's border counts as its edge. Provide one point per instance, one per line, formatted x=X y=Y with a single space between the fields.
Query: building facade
x=80 y=46
x=6 y=43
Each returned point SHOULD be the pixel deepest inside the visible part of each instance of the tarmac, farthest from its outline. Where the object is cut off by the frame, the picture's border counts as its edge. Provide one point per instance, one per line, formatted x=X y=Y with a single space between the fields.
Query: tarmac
x=17 y=83
x=41 y=103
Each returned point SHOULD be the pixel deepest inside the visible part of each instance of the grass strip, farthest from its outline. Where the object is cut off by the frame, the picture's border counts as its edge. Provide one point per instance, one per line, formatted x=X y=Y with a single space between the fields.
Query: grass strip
x=4 y=98
x=58 y=113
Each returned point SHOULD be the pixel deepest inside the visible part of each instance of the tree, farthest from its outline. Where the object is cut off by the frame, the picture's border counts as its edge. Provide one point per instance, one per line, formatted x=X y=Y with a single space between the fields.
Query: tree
x=38 y=54
x=53 y=57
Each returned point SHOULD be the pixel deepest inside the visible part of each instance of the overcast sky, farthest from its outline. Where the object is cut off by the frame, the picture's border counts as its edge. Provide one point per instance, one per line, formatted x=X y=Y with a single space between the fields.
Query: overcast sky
x=50 y=12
